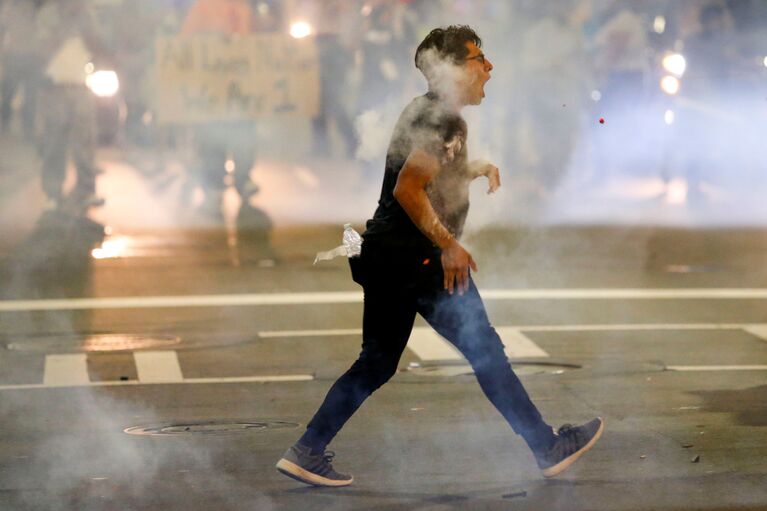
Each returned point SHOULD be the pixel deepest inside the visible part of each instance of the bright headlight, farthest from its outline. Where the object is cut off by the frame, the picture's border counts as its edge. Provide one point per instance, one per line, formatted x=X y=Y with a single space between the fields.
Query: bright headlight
x=670 y=85
x=675 y=64
x=103 y=84
x=300 y=29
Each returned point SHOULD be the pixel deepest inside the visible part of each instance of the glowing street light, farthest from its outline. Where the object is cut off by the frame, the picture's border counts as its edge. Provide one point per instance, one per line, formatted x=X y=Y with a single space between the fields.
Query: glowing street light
x=111 y=248
x=676 y=191
x=300 y=29
x=103 y=84
x=675 y=64
x=670 y=85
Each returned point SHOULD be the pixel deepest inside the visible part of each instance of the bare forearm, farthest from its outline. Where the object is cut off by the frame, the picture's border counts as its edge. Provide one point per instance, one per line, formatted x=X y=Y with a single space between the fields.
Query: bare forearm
x=478 y=168
x=416 y=204
x=483 y=168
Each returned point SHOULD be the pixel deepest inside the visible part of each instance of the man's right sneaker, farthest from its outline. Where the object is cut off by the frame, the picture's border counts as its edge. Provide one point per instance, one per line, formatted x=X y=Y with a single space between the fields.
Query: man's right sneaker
x=571 y=443
x=299 y=463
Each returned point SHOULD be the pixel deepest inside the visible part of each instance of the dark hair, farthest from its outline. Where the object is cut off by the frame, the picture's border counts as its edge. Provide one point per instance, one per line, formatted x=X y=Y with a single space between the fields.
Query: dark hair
x=449 y=43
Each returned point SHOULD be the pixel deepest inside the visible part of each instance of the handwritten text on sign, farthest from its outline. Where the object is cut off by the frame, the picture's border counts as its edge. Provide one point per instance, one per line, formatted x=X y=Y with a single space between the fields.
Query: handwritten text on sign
x=207 y=78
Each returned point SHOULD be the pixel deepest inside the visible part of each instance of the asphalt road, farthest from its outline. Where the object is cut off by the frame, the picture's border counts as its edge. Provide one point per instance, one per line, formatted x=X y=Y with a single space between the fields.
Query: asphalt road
x=228 y=350
x=219 y=350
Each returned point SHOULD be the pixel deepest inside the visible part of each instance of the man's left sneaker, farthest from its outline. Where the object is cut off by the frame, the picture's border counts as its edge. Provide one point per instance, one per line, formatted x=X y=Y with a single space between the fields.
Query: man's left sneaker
x=570 y=444
x=299 y=463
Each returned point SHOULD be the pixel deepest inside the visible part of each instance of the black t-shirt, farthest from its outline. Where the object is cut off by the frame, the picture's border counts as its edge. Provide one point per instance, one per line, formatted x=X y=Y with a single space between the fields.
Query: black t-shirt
x=428 y=125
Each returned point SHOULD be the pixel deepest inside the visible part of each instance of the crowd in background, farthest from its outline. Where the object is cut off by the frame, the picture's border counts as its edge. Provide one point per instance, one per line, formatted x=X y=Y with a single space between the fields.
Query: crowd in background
x=559 y=66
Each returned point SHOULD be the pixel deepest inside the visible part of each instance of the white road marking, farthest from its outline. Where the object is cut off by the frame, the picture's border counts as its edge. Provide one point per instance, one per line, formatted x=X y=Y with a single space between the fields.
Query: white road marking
x=759 y=331
x=429 y=345
x=631 y=326
x=518 y=345
x=310 y=333
x=144 y=302
x=66 y=370
x=157 y=366
x=151 y=302
x=718 y=368
x=153 y=367
x=627 y=294
x=252 y=379
x=235 y=379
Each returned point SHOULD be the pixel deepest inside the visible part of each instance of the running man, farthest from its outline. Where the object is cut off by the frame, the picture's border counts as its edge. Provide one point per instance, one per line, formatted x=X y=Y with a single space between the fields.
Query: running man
x=412 y=263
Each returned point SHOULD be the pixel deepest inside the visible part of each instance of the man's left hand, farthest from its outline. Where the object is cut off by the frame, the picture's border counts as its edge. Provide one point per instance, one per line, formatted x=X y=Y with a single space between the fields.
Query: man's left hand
x=493 y=178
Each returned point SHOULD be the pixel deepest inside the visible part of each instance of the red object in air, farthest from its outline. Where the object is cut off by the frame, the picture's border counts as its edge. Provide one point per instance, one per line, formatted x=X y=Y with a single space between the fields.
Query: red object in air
x=601 y=120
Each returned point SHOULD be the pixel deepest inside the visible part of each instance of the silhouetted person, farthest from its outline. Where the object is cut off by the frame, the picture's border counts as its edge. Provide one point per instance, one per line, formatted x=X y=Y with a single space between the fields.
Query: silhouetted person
x=553 y=69
x=69 y=34
x=218 y=141
x=335 y=59
x=21 y=62
x=712 y=72
x=622 y=60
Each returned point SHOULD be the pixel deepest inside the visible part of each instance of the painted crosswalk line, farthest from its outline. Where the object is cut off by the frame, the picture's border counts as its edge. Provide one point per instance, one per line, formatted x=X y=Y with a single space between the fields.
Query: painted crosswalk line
x=518 y=345
x=157 y=366
x=759 y=331
x=428 y=345
x=71 y=369
x=152 y=367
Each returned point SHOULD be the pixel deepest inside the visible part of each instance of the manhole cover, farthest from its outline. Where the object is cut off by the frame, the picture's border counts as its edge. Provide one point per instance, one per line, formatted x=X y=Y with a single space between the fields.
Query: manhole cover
x=112 y=342
x=209 y=427
x=460 y=369
x=96 y=343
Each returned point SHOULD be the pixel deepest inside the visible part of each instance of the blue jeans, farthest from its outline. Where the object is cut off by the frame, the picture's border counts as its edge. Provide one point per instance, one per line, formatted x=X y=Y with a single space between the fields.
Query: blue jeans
x=396 y=289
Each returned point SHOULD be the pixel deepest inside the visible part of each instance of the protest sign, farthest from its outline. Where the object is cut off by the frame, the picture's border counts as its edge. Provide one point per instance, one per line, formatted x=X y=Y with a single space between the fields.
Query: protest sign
x=209 y=78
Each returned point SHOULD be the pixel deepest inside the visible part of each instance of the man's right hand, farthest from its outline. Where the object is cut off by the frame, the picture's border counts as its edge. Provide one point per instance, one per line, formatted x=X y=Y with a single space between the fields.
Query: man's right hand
x=456 y=262
x=410 y=191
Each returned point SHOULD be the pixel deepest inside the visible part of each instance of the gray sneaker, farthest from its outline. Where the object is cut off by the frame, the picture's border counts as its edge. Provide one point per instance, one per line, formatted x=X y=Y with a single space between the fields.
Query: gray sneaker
x=571 y=443
x=299 y=463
